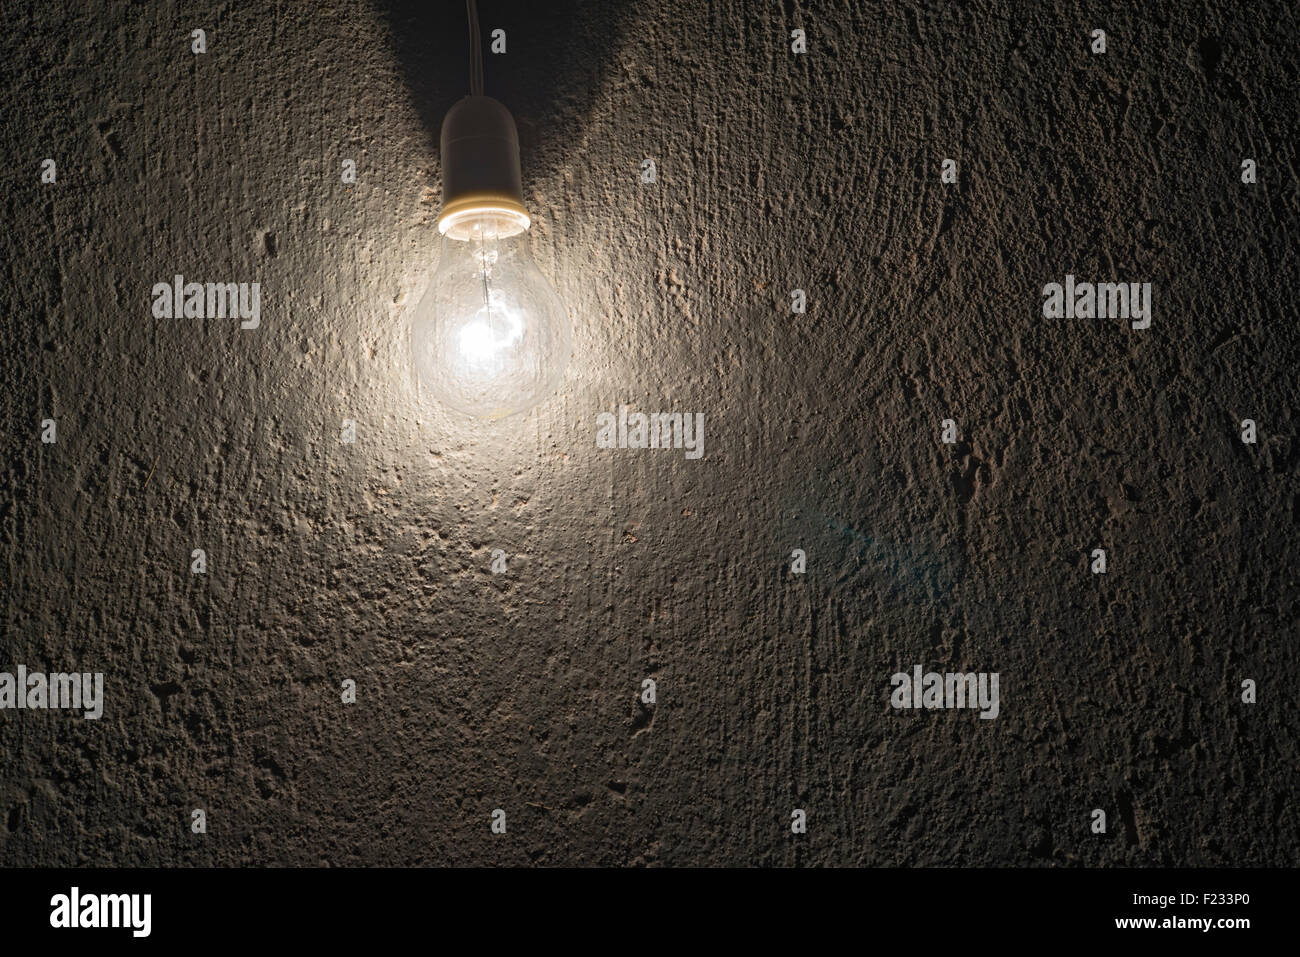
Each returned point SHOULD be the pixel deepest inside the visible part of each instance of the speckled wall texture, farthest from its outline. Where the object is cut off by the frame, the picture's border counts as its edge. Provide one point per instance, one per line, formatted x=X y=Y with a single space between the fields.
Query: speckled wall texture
x=521 y=691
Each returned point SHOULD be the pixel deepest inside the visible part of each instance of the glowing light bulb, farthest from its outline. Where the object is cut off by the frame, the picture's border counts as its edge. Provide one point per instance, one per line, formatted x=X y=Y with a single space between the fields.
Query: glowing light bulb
x=491 y=336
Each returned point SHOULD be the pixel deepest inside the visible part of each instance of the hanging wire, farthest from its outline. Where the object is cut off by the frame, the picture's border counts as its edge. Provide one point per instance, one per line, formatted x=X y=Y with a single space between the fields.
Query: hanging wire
x=475 y=50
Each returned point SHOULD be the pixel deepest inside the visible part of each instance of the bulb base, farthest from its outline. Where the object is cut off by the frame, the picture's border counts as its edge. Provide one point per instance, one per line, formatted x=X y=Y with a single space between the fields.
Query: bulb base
x=480 y=169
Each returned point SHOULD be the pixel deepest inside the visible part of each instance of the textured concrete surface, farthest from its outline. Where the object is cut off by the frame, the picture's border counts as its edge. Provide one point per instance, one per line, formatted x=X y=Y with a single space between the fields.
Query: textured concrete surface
x=519 y=691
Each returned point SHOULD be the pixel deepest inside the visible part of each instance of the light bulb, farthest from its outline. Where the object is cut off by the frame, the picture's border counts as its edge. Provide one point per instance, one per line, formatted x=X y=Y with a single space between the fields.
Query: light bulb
x=491 y=336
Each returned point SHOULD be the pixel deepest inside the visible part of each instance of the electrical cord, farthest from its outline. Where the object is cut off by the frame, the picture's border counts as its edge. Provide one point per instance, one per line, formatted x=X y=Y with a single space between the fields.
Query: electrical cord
x=475 y=50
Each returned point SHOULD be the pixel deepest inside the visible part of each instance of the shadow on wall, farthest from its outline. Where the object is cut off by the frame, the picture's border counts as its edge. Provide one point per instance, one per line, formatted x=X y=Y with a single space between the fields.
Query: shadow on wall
x=557 y=54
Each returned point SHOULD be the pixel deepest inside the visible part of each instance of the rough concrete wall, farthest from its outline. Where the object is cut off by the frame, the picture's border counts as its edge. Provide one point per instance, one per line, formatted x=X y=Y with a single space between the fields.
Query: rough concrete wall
x=519 y=691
